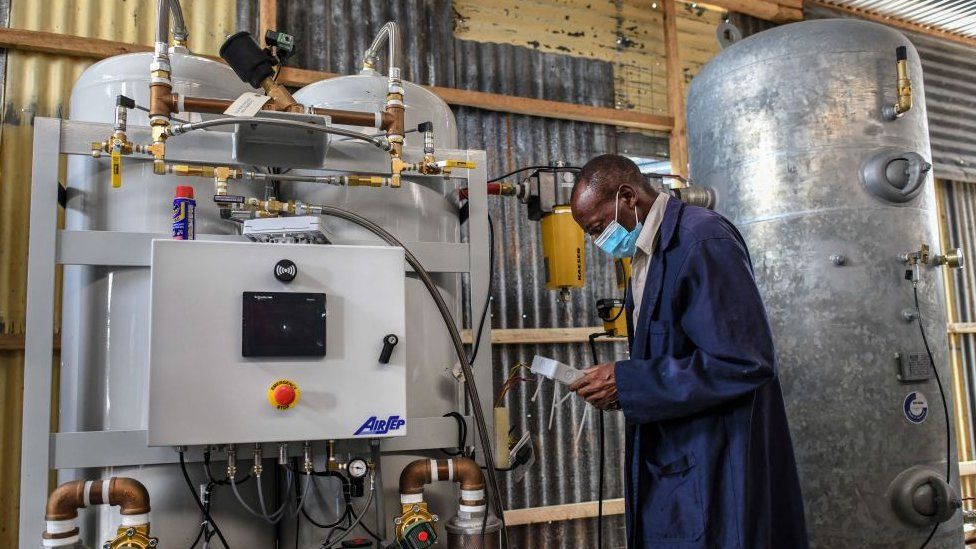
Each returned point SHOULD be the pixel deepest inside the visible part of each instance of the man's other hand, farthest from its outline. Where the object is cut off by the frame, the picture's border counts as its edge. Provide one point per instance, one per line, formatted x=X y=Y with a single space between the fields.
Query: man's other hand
x=598 y=386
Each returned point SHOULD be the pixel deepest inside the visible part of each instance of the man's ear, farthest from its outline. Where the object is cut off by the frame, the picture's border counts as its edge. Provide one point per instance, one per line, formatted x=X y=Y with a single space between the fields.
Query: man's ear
x=629 y=195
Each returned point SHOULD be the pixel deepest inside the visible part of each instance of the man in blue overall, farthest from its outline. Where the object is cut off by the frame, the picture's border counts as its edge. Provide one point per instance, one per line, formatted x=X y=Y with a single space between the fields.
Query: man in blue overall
x=709 y=462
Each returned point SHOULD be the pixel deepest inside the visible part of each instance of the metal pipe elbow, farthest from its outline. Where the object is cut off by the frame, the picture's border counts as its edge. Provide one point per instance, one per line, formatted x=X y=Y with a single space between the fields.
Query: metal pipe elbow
x=129 y=494
x=65 y=500
x=414 y=476
x=467 y=473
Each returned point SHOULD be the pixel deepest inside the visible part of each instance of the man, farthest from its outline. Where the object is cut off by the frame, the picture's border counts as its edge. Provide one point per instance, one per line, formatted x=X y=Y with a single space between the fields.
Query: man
x=709 y=462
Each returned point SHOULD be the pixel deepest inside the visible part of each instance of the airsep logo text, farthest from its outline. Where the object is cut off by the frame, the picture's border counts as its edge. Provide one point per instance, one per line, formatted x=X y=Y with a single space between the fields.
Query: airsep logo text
x=375 y=426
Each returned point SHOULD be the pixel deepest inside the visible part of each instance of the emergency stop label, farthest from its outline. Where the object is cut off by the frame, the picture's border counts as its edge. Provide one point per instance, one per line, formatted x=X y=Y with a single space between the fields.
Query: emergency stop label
x=916 y=407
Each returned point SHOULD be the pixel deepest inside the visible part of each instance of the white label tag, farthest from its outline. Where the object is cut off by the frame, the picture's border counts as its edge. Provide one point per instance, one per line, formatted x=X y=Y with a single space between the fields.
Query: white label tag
x=248 y=104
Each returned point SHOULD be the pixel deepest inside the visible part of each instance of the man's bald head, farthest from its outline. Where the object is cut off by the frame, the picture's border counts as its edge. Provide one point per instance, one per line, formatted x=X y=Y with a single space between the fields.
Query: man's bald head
x=603 y=182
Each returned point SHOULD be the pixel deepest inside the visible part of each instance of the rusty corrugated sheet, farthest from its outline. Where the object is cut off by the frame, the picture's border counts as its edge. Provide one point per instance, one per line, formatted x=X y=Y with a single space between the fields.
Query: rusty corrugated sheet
x=953 y=16
x=39 y=85
x=331 y=36
x=626 y=34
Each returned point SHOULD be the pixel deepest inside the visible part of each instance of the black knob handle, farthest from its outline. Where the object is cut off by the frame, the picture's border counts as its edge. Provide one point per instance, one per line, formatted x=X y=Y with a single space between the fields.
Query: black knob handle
x=389 y=342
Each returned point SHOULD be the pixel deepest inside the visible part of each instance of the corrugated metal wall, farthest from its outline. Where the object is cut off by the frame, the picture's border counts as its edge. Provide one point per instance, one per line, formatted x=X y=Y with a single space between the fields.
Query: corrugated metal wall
x=960 y=218
x=39 y=85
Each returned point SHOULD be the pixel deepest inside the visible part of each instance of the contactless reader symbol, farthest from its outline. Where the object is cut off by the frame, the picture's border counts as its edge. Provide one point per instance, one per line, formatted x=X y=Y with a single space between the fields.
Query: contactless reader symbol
x=285 y=270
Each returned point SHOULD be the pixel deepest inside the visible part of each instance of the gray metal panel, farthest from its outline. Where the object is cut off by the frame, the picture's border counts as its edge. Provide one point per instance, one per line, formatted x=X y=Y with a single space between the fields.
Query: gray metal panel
x=949 y=73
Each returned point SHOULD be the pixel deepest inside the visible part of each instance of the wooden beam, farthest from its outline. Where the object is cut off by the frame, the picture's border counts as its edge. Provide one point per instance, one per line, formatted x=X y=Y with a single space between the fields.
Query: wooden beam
x=900 y=24
x=678 y=142
x=512 y=104
x=267 y=18
x=569 y=511
x=961 y=327
x=95 y=48
x=777 y=11
x=519 y=336
x=15 y=342
x=64 y=44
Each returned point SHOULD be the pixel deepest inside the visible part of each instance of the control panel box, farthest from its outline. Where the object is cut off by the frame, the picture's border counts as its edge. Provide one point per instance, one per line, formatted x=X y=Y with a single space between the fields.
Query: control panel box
x=255 y=342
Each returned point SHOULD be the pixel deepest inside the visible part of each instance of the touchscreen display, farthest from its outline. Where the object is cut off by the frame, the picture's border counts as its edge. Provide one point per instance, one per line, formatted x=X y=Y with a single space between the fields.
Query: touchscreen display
x=283 y=324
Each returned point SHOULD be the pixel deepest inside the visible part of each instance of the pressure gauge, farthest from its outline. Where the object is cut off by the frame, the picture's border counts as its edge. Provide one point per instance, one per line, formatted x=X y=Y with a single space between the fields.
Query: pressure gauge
x=357 y=468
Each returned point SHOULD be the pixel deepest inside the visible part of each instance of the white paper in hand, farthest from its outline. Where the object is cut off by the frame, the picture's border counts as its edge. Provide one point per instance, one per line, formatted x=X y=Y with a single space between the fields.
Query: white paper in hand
x=555 y=370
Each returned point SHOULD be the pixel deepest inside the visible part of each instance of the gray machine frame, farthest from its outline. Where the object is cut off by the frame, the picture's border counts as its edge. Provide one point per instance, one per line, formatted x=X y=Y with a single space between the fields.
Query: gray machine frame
x=43 y=450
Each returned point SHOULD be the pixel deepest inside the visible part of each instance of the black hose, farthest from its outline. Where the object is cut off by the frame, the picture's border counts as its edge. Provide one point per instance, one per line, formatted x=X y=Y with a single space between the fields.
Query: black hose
x=470 y=385
x=602 y=465
x=484 y=312
x=528 y=168
x=193 y=494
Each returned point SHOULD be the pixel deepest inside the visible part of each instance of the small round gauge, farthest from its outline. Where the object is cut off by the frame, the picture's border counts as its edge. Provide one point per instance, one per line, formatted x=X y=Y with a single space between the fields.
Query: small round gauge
x=357 y=468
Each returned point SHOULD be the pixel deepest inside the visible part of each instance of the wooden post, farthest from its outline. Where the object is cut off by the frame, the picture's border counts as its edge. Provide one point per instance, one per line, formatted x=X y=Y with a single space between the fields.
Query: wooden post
x=676 y=92
x=267 y=18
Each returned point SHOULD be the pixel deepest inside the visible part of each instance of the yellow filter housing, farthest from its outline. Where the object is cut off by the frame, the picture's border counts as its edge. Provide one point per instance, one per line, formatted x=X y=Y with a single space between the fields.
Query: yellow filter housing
x=622 y=270
x=562 y=250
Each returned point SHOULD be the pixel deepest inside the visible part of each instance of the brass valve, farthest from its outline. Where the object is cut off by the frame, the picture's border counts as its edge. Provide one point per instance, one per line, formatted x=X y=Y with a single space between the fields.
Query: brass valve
x=132 y=537
x=954 y=259
x=412 y=515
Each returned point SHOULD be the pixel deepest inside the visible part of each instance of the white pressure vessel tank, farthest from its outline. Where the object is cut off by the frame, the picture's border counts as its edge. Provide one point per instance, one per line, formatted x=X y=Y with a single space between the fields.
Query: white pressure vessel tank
x=105 y=312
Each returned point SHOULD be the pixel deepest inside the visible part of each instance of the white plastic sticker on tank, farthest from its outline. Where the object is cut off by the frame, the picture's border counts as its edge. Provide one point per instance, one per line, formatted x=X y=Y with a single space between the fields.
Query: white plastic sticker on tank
x=248 y=104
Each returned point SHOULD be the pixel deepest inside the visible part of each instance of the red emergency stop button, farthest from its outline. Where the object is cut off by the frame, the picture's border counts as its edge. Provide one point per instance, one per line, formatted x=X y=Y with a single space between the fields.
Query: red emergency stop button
x=422 y=536
x=283 y=394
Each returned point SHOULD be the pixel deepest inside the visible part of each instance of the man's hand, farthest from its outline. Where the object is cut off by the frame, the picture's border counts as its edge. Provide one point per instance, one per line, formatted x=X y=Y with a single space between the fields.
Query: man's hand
x=598 y=386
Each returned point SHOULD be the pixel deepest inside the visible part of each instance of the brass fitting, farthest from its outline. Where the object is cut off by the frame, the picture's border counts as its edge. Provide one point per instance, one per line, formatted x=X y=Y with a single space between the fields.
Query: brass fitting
x=281 y=97
x=366 y=180
x=132 y=537
x=904 y=102
x=411 y=514
x=187 y=170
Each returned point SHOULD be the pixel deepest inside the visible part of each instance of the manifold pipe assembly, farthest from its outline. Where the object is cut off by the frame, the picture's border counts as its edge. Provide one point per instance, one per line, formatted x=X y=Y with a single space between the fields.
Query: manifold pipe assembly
x=61 y=512
x=464 y=471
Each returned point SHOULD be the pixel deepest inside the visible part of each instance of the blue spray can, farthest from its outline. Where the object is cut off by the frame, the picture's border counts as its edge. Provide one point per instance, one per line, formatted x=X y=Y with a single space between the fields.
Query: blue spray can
x=184 y=214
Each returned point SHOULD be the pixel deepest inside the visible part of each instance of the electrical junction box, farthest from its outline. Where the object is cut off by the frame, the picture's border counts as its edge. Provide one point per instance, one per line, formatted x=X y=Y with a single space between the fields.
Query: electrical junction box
x=254 y=342
x=296 y=229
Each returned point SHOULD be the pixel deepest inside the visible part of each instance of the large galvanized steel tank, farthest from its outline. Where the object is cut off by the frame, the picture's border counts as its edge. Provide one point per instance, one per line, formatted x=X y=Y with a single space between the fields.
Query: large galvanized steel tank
x=105 y=325
x=423 y=209
x=780 y=125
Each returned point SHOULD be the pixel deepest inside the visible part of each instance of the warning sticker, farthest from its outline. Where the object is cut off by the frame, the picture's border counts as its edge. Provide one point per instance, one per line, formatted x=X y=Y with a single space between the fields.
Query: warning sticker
x=916 y=407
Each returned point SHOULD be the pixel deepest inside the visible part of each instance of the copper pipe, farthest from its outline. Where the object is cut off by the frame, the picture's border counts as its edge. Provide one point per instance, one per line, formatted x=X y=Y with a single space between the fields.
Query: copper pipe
x=61 y=510
x=161 y=100
x=65 y=500
x=464 y=471
x=414 y=476
x=129 y=494
x=341 y=117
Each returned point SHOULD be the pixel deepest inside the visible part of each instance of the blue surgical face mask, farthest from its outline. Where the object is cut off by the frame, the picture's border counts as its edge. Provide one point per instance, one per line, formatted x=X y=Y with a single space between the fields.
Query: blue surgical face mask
x=615 y=239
